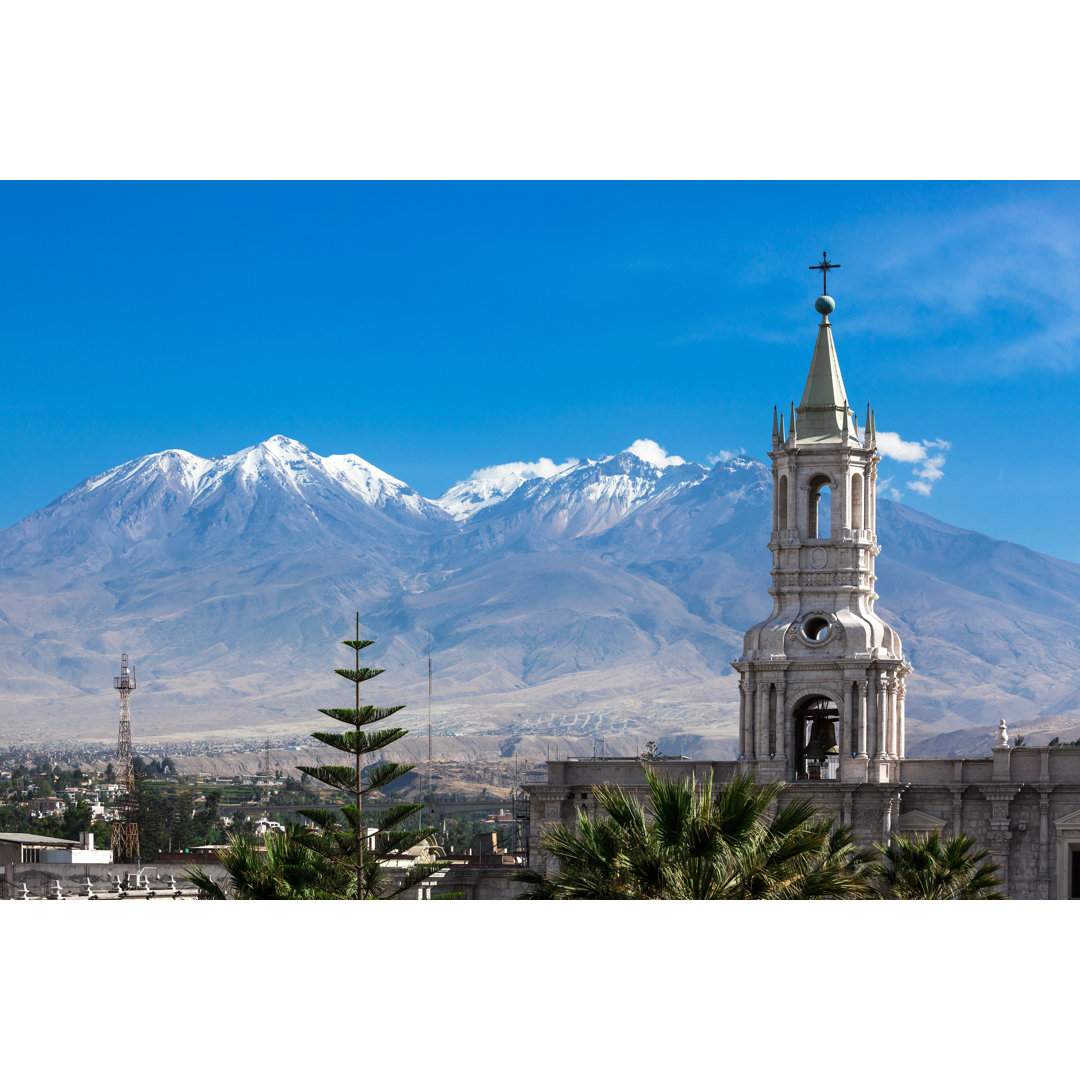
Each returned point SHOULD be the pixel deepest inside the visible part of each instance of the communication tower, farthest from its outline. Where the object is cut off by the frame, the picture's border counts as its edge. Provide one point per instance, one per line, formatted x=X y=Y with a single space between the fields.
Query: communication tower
x=431 y=794
x=125 y=829
x=266 y=772
x=519 y=840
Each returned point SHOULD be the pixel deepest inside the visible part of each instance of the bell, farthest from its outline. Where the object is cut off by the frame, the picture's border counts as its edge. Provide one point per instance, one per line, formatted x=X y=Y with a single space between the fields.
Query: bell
x=822 y=740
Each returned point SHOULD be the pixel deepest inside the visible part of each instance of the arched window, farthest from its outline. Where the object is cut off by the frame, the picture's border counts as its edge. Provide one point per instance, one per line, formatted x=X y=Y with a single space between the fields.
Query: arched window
x=817 y=752
x=857 y=502
x=819 y=526
x=781 y=503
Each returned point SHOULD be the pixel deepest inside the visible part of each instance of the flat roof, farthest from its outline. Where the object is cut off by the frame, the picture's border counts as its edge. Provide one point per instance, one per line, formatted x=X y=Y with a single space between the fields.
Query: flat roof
x=35 y=838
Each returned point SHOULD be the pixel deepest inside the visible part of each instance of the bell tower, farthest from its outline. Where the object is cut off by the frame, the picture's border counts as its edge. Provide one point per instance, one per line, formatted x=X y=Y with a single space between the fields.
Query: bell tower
x=822 y=679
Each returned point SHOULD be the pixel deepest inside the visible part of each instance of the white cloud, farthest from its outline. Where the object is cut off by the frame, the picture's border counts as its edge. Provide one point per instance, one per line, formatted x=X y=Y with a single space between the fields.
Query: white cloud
x=929 y=473
x=725 y=456
x=890 y=445
x=653 y=453
x=518 y=471
x=930 y=467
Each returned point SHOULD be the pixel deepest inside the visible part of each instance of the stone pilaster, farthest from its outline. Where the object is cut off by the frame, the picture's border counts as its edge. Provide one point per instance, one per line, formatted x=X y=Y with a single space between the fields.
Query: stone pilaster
x=863 y=688
x=1043 y=882
x=1000 y=831
x=882 y=717
x=846 y=726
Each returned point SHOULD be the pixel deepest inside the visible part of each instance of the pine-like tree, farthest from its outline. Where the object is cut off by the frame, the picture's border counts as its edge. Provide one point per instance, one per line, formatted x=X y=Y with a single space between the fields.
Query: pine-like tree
x=348 y=839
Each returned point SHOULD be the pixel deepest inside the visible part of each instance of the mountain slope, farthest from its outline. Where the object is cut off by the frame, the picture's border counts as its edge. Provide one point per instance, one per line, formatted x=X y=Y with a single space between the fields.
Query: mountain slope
x=608 y=595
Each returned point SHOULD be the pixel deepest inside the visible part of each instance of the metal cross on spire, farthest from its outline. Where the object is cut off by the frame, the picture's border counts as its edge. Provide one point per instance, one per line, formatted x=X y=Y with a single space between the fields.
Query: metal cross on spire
x=825 y=266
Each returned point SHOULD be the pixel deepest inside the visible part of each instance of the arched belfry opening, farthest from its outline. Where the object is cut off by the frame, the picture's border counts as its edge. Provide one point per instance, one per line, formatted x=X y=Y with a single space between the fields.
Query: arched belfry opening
x=781 y=503
x=819 y=525
x=817 y=748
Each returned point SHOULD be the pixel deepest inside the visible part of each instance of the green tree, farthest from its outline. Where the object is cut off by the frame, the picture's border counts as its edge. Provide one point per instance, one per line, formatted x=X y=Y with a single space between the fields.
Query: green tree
x=77 y=819
x=350 y=840
x=693 y=843
x=284 y=870
x=207 y=822
x=182 y=823
x=102 y=831
x=924 y=867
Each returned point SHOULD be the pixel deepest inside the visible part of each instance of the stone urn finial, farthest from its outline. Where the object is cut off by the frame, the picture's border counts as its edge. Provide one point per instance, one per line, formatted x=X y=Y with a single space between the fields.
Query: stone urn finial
x=1002 y=734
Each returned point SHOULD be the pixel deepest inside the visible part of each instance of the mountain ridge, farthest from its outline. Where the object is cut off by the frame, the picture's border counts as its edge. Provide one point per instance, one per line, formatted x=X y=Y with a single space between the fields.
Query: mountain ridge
x=616 y=588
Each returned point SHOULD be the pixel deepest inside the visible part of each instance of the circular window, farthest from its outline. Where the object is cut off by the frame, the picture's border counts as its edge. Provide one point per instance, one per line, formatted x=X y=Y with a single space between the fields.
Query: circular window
x=816 y=628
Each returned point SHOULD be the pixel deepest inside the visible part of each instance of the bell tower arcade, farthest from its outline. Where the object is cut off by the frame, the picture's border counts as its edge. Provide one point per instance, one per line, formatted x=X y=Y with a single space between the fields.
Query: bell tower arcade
x=822 y=679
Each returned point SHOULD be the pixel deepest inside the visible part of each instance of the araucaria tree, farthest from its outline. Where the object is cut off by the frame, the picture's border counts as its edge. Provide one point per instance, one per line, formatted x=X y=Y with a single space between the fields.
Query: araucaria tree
x=350 y=840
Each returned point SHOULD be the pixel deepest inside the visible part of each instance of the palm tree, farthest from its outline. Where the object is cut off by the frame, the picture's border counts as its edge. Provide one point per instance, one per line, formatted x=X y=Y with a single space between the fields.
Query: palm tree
x=925 y=868
x=285 y=870
x=690 y=843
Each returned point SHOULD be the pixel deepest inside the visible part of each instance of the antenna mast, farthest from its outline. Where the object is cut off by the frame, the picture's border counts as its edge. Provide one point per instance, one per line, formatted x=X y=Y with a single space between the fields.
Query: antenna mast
x=125 y=830
x=431 y=798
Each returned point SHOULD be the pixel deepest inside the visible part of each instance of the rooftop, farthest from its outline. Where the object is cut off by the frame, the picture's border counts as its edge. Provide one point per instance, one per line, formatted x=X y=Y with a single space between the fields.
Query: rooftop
x=34 y=838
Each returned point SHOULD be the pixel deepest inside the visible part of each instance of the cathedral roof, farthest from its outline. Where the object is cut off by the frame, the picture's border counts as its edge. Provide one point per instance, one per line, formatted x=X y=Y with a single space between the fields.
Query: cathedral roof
x=824 y=408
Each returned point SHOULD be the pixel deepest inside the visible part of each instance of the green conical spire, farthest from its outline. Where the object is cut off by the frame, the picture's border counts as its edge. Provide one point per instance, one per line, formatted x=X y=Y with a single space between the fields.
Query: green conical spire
x=823 y=410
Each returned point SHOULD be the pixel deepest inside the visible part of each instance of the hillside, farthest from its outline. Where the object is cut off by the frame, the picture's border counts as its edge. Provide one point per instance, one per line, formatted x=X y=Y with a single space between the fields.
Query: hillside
x=608 y=597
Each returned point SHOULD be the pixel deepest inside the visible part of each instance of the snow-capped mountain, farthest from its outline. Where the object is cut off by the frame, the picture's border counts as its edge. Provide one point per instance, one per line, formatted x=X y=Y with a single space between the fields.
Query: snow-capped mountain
x=585 y=499
x=487 y=487
x=277 y=490
x=619 y=586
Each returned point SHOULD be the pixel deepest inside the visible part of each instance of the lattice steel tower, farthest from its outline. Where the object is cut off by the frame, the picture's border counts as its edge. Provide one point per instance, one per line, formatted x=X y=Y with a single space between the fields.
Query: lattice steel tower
x=125 y=829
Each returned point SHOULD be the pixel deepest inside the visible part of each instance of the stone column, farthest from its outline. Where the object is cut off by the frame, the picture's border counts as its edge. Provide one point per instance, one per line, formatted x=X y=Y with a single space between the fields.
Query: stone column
x=957 y=810
x=742 y=715
x=862 y=718
x=751 y=703
x=894 y=726
x=773 y=738
x=870 y=509
x=882 y=718
x=888 y=812
x=763 y=720
x=901 y=717
x=781 y=723
x=845 y=723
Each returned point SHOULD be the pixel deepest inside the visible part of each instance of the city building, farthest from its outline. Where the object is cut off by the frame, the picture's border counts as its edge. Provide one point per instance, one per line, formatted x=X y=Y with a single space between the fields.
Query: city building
x=823 y=680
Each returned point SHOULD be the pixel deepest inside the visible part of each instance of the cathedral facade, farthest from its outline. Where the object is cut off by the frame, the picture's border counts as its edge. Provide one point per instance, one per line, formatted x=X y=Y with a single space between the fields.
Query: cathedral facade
x=822 y=680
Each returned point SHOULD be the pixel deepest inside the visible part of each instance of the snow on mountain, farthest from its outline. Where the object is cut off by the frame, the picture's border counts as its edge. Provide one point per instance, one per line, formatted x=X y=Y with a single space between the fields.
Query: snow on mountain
x=586 y=498
x=619 y=586
x=291 y=465
x=276 y=490
x=627 y=484
x=492 y=485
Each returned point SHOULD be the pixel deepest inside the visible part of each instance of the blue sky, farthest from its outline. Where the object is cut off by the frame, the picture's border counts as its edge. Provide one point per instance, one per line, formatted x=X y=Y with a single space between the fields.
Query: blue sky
x=440 y=328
